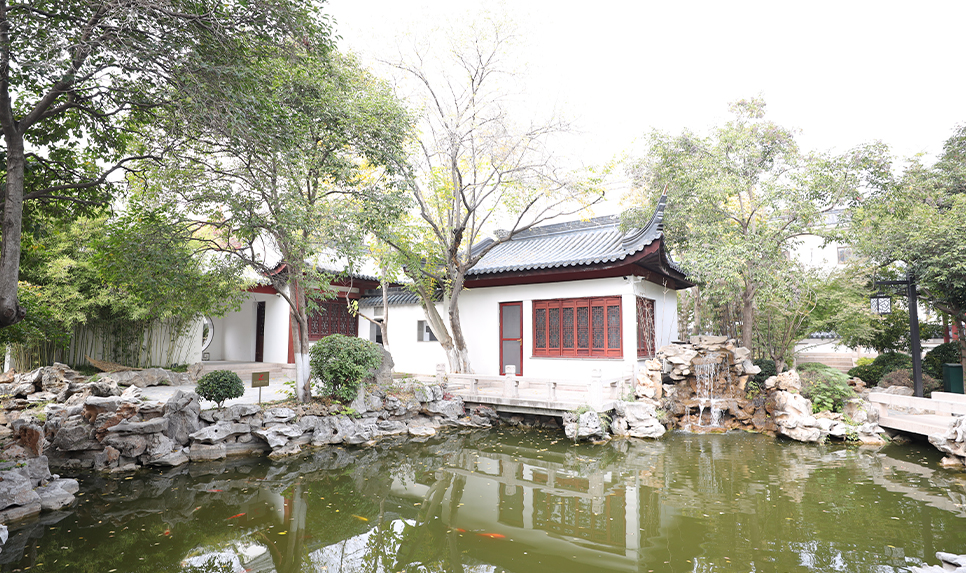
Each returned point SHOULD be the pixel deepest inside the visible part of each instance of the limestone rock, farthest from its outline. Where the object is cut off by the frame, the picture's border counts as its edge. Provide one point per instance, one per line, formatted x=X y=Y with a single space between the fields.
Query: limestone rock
x=130 y=445
x=219 y=432
x=450 y=409
x=587 y=425
x=421 y=430
x=953 y=442
x=16 y=490
x=860 y=411
x=75 y=435
x=126 y=427
x=183 y=412
x=650 y=428
x=169 y=460
x=106 y=458
x=207 y=452
x=278 y=416
x=788 y=381
x=52 y=497
x=278 y=435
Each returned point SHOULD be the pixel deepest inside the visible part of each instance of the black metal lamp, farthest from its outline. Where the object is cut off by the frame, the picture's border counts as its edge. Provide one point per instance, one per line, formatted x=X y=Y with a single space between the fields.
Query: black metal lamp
x=881 y=303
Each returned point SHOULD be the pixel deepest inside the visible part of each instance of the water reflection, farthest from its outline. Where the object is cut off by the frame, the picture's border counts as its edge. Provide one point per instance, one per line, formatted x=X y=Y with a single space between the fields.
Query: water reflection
x=488 y=502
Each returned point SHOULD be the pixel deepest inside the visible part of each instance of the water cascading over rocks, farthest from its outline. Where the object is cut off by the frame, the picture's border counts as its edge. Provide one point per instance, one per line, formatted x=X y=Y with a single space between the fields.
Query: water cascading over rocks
x=702 y=386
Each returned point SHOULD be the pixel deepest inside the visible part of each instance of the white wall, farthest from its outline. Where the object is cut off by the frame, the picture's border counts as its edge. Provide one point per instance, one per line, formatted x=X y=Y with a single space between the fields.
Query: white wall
x=408 y=354
x=480 y=313
x=234 y=336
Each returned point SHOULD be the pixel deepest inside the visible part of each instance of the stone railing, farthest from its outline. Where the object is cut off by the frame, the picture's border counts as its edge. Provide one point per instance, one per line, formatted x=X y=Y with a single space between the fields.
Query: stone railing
x=550 y=393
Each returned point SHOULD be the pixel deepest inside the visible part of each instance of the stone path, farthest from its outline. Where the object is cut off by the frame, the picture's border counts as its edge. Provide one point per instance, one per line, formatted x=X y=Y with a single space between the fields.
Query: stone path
x=276 y=390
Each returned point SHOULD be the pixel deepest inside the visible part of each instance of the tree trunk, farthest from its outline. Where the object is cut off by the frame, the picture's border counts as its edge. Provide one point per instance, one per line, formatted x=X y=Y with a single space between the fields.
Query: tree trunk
x=300 y=342
x=747 y=317
x=384 y=325
x=10 y=310
x=460 y=352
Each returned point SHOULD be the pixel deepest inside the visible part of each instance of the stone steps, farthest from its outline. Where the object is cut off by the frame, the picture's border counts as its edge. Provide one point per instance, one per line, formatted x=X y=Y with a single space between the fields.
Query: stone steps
x=843 y=362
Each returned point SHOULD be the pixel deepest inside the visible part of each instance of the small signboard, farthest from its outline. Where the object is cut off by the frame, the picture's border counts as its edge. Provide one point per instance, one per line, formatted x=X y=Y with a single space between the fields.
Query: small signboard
x=259 y=379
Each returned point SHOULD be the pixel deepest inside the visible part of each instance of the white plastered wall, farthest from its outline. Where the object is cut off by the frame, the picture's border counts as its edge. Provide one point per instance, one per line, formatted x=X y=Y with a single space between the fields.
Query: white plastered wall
x=234 y=333
x=480 y=313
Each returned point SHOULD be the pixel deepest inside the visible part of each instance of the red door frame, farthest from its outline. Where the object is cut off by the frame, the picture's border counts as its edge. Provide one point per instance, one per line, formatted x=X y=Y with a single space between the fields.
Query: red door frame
x=502 y=339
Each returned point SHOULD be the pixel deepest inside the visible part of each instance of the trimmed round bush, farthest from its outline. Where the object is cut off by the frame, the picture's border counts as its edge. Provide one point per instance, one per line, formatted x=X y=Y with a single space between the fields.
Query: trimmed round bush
x=219 y=386
x=338 y=365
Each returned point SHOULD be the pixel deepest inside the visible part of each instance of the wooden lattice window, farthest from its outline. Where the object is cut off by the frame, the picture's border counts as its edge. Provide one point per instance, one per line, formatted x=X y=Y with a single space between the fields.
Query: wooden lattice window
x=645 y=328
x=332 y=317
x=578 y=327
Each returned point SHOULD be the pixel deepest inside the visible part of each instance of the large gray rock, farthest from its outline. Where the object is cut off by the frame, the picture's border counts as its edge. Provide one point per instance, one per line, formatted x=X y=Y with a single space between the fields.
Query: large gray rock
x=183 y=412
x=450 y=409
x=205 y=452
x=130 y=445
x=639 y=419
x=363 y=431
x=587 y=425
x=127 y=427
x=332 y=430
x=278 y=435
x=145 y=378
x=860 y=411
x=75 y=435
x=278 y=416
x=953 y=441
x=53 y=497
x=16 y=490
x=788 y=381
x=220 y=432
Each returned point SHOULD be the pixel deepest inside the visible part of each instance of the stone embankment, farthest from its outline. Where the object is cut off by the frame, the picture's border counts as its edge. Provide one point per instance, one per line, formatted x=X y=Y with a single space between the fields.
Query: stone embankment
x=54 y=417
x=704 y=387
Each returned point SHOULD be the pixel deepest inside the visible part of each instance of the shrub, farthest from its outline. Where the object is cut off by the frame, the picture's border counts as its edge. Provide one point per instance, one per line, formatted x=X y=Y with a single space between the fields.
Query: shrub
x=219 y=386
x=768 y=370
x=903 y=377
x=882 y=365
x=826 y=387
x=338 y=364
x=933 y=362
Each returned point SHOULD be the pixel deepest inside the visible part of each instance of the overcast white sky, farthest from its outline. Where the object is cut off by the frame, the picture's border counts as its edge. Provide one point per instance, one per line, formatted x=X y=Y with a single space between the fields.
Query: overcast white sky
x=842 y=72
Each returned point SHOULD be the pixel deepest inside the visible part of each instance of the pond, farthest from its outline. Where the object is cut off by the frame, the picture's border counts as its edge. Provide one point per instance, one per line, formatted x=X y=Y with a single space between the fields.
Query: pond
x=526 y=502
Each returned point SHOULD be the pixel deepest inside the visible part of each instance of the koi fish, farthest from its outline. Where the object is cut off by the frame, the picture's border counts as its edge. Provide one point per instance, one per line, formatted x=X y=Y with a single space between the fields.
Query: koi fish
x=359 y=517
x=213 y=490
x=236 y=515
x=167 y=532
x=492 y=535
x=460 y=530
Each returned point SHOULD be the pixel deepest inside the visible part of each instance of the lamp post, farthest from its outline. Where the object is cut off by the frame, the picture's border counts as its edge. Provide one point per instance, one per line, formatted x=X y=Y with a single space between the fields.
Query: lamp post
x=882 y=304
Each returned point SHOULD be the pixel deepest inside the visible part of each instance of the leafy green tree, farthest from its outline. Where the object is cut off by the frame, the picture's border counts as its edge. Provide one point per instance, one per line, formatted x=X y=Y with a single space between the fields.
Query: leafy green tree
x=739 y=199
x=289 y=173
x=117 y=275
x=918 y=224
x=78 y=78
x=475 y=171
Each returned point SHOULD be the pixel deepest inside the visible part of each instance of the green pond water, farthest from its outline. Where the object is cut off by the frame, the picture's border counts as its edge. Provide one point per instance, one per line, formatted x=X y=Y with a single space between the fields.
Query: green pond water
x=523 y=502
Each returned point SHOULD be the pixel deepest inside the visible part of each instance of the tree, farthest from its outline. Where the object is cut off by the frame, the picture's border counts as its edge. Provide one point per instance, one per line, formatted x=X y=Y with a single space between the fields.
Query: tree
x=918 y=225
x=474 y=170
x=119 y=277
x=289 y=173
x=79 y=77
x=739 y=198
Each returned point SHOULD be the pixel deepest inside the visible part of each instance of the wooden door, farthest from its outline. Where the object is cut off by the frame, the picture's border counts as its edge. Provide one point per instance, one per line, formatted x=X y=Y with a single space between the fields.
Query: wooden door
x=511 y=336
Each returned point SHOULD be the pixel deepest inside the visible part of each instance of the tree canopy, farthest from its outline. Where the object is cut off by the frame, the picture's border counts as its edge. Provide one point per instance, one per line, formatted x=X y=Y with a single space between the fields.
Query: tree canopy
x=80 y=78
x=738 y=201
x=285 y=166
x=919 y=224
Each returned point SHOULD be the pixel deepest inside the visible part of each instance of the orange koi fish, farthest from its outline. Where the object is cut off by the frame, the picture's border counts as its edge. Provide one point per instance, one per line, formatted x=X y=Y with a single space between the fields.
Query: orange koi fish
x=236 y=515
x=492 y=535
x=359 y=517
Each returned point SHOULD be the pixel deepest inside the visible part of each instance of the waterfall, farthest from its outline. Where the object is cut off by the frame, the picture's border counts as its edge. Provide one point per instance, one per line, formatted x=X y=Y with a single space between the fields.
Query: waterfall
x=706 y=374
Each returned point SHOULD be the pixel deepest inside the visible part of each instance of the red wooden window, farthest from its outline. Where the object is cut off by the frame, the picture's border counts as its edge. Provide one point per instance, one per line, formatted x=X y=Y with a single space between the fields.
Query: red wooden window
x=577 y=327
x=645 y=328
x=332 y=317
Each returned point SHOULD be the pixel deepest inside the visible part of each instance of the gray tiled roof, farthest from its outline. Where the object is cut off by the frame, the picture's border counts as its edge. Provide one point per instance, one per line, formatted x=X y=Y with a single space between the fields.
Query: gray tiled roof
x=395 y=296
x=570 y=244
